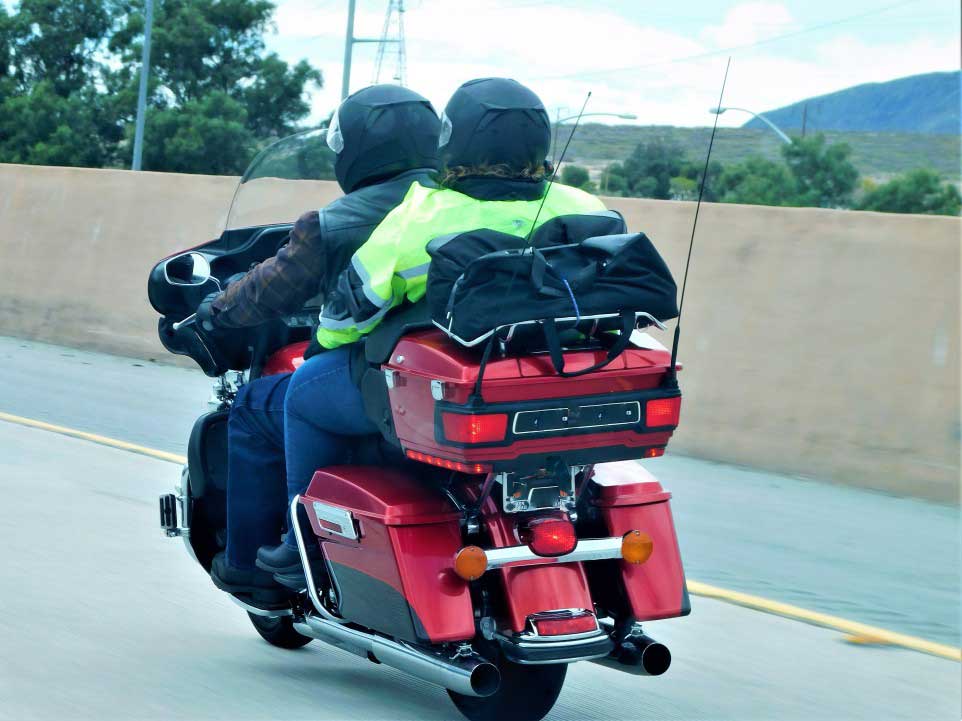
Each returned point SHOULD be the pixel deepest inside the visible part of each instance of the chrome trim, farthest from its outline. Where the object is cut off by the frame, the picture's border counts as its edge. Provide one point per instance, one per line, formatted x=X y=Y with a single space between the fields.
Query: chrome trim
x=340 y=517
x=267 y=613
x=637 y=404
x=563 y=646
x=462 y=670
x=588 y=549
x=306 y=563
x=470 y=343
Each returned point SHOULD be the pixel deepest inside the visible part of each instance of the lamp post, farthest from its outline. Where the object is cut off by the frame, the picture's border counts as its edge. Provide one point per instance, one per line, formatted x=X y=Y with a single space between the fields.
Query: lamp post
x=142 y=94
x=769 y=123
x=559 y=120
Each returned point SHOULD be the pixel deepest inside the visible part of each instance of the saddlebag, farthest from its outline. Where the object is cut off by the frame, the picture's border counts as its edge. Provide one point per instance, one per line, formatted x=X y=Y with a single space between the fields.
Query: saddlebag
x=624 y=497
x=402 y=583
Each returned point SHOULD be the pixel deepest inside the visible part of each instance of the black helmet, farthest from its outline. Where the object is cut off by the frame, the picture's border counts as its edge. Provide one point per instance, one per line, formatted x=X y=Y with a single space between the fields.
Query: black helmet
x=381 y=131
x=494 y=121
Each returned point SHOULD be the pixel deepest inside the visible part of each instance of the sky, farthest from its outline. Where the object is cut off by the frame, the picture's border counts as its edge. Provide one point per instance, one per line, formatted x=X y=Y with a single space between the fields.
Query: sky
x=663 y=61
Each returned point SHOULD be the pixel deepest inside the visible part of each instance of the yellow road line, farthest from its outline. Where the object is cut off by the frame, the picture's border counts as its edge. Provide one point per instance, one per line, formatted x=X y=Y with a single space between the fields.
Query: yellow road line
x=93 y=438
x=855 y=630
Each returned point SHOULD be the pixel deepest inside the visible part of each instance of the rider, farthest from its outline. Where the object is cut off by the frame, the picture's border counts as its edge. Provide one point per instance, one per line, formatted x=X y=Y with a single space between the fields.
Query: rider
x=385 y=140
x=495 y=137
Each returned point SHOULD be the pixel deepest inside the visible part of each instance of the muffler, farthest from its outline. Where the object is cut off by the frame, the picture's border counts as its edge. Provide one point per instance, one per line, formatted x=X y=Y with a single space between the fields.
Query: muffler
x=638 y=654
x=468 y=674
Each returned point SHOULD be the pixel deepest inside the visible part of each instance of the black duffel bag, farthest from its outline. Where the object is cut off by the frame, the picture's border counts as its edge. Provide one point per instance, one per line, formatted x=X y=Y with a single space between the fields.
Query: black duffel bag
x=482 y=280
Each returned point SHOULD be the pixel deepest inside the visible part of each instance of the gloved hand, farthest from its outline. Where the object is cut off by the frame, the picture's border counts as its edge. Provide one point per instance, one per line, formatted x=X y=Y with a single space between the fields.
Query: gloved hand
x=206 y=315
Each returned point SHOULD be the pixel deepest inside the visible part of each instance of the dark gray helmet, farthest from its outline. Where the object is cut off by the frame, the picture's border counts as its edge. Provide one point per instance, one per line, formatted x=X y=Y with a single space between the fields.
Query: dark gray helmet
x=493 y=121
x=381 y=131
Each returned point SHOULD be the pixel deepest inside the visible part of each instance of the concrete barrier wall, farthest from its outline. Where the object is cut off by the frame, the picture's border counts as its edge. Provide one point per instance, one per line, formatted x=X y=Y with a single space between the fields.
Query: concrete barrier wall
x=816 y=342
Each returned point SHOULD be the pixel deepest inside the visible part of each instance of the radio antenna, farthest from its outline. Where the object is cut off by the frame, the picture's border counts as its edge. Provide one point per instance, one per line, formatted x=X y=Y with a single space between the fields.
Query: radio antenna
x=554 y=171
x=672 y=370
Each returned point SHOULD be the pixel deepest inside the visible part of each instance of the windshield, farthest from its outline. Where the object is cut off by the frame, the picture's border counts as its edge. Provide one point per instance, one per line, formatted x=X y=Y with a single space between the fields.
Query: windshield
x=284 y=181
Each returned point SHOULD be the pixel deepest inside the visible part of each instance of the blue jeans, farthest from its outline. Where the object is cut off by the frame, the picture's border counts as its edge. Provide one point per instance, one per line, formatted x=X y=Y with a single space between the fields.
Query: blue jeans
x=286 y=426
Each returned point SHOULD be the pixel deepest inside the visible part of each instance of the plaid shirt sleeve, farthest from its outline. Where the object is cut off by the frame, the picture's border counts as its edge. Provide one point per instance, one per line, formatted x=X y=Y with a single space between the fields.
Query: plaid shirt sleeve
x=278 y=285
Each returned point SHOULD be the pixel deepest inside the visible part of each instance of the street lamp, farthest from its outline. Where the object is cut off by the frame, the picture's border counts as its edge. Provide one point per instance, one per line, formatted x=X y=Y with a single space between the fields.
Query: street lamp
x=769 y=123
x=559 y=120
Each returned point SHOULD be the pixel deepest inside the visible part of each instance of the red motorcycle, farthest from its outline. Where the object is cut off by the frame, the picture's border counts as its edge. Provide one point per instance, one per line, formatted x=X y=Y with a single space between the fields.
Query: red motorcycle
x=493 y=534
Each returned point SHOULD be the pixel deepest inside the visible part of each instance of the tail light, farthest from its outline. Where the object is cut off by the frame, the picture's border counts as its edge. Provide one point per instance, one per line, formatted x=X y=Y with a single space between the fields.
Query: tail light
x=564 y=626
x=445 y=463
x=663 y=412
x=550 y=536
x=485 y=428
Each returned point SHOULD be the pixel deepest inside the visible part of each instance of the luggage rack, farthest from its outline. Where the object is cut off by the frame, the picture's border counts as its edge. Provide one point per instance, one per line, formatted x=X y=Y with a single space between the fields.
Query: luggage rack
x=512 y=327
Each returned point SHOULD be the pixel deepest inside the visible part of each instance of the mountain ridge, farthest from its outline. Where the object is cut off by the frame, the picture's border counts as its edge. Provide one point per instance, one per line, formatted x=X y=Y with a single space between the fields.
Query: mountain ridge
x=927 y=103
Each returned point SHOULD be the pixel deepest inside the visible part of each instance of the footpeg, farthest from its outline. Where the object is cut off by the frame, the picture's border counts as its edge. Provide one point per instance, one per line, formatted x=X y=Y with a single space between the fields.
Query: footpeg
x=168 y=515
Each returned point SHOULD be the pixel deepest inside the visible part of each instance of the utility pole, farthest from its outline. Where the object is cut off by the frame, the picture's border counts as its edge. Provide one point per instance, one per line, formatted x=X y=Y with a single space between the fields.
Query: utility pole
x=350 y=41
x=804 y=118
x=142 y=95
x=348 y=48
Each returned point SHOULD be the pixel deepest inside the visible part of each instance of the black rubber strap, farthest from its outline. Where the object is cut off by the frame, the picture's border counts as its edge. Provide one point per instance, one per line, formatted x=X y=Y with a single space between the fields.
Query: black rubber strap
x=557 y=354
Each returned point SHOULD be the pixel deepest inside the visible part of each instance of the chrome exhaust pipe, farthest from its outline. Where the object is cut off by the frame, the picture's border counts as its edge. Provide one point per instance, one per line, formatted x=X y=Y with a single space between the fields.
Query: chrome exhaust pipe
x=468 y=674
x=638 y=654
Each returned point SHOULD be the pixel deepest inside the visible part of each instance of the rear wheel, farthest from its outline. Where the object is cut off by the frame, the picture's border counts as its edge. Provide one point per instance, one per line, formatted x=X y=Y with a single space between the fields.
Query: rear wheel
x=527 y=693
x=278 y=631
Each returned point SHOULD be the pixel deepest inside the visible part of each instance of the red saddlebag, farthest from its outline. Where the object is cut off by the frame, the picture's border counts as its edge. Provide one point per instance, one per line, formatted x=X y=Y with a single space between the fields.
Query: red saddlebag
x=630 y=499
x=390 y=541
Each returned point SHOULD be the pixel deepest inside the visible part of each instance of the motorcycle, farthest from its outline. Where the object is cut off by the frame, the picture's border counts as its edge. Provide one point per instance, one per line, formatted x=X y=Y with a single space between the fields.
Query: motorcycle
x=483 y=541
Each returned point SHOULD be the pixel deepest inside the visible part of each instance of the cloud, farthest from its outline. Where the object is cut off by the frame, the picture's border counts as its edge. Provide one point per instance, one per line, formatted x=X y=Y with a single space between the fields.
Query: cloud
x=562 y=51
x=750 y=22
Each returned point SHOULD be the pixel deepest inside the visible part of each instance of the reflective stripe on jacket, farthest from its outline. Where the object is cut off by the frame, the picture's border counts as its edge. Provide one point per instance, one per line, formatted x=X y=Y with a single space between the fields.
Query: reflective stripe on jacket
x=392 y=265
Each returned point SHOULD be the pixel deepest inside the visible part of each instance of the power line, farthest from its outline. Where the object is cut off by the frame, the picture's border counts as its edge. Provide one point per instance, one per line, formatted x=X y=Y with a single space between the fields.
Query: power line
x=726 y=51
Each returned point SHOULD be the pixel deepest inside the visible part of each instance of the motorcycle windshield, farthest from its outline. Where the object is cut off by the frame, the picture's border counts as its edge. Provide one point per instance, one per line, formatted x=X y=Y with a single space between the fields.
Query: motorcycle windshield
x=284 y=180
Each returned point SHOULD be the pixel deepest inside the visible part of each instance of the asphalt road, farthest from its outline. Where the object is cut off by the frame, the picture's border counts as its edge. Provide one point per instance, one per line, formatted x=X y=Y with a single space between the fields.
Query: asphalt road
x=886 y=561
x=104 y=619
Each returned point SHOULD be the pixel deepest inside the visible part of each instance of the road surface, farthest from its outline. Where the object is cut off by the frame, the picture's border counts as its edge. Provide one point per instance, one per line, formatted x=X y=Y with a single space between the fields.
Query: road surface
x=106 y=619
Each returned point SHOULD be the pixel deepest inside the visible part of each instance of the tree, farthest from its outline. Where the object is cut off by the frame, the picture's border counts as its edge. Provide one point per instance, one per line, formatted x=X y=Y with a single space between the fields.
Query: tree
x=69 y=75
x=613 y=181
x=650 y=167
x=577 y=177
x=757 y=181
x=824 y=175
x=920 y=191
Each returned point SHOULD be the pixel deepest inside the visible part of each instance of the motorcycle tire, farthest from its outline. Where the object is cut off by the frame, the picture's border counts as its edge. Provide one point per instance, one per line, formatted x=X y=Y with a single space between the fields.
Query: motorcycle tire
x=527 y=693
x=279 y=631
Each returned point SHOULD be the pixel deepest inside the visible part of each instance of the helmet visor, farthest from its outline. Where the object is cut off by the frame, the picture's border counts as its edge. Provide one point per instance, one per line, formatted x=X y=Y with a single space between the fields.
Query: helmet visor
x=335 y=141
x=446 y=128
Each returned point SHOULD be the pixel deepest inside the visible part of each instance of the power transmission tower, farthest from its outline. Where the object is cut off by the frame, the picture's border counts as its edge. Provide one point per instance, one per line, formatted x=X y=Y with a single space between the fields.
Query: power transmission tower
x=392 y=34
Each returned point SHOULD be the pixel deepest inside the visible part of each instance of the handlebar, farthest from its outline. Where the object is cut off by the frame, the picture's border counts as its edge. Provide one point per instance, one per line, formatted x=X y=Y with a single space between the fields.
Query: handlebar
x=186 y=321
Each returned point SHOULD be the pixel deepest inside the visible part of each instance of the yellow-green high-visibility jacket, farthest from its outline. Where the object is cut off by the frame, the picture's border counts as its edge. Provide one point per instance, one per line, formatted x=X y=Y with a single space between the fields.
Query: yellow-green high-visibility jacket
x=392 y=265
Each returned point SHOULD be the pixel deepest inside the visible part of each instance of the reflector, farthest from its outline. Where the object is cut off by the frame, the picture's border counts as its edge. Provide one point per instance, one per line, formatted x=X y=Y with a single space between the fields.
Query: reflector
x=445 y=463
x=565 y=626
x=663 y=412
x=636 y=547
x=486 y=428
x=551 y=536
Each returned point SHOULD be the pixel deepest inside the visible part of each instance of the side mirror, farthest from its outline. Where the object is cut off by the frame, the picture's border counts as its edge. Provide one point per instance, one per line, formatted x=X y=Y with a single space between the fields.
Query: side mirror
x=187 y=269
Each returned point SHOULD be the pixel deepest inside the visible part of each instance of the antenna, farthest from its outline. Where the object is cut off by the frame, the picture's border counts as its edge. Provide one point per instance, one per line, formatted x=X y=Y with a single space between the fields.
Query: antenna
x=554 y=172
x=672 y=372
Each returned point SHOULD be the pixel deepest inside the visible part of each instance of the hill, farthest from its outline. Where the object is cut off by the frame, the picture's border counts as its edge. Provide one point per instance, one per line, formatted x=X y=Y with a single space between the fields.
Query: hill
x=877 y=155
x=917 y=104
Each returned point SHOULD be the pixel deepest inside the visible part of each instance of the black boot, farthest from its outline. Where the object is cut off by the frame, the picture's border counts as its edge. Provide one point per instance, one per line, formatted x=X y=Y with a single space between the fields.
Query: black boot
x=283 y=559
x=252 y=584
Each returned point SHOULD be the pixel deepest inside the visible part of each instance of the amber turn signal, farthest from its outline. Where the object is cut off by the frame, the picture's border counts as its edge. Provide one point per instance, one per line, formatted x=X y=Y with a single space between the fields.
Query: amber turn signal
x=470 y=563
x=636 y=547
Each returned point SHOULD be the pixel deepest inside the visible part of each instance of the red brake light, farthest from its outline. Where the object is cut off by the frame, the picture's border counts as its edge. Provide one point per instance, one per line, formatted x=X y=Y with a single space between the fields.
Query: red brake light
x=551 y=536
x=486 y=428
x=663 y=412
x=445 y=463
x=565 y=626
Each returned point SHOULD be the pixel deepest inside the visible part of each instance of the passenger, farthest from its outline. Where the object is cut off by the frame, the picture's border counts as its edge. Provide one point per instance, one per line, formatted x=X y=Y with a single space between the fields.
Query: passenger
x=495 y=137
x=386 y=140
